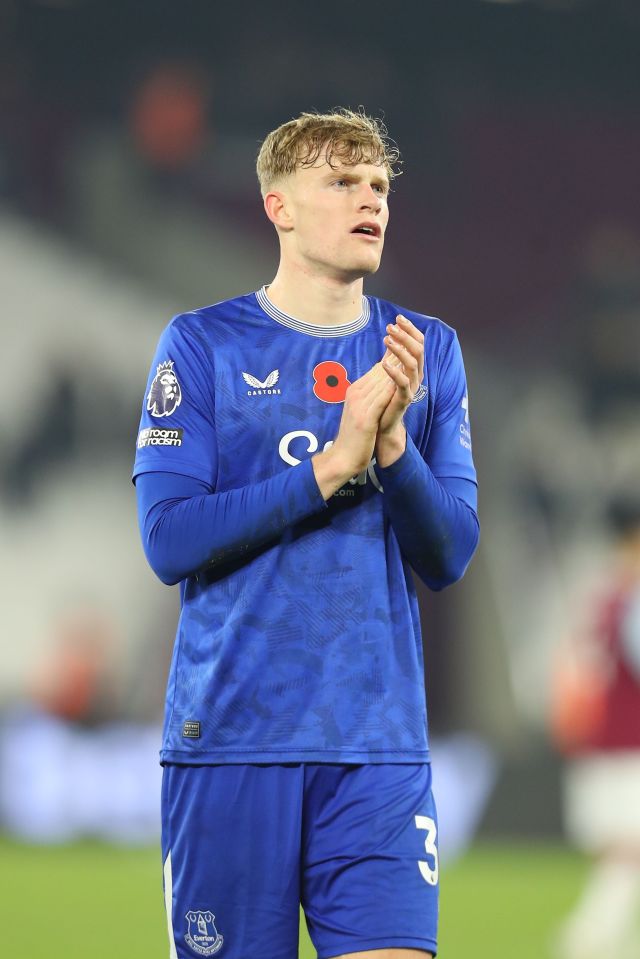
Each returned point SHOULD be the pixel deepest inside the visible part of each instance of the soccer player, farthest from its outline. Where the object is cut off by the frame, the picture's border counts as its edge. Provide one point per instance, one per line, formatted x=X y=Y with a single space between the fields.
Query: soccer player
x=302 y=447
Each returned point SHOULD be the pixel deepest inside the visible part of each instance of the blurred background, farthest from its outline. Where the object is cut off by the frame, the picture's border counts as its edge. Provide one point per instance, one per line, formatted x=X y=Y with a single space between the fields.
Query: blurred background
x=128 y=137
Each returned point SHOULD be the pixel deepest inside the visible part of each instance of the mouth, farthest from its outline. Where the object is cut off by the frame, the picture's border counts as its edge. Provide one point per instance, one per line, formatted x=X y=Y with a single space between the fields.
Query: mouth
x=369 y=229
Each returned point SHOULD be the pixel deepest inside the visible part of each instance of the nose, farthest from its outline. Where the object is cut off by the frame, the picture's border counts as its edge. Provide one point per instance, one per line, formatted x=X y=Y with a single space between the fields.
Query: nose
x=370 y=200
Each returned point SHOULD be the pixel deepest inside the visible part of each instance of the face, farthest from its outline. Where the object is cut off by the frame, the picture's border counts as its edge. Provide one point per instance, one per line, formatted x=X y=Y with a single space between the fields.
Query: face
x=338 y=219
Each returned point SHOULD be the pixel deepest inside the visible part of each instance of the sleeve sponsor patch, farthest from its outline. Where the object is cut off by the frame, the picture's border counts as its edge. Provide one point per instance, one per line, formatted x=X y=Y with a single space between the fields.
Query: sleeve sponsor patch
x=153 y=436
x=465 y=433
x=165 y=394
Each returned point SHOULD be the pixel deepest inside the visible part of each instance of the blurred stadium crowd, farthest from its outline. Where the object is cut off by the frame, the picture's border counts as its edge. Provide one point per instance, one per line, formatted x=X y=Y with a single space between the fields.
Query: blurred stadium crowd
x=127 y=194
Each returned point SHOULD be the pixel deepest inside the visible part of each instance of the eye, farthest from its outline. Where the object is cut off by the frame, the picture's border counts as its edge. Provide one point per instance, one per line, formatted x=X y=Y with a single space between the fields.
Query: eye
x=341 y=183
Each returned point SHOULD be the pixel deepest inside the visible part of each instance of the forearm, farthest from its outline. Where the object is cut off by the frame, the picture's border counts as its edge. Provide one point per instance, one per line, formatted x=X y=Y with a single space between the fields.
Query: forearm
x=186 y=527
x=437 y=530
x=332 y=471
x=390 y=447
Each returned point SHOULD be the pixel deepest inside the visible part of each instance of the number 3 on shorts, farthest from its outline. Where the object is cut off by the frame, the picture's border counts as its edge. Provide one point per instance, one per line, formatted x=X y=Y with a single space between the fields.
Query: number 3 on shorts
x=429 y=874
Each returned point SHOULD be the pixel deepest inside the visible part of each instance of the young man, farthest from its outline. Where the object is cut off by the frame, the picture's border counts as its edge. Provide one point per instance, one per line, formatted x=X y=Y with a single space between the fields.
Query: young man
x=300 y=448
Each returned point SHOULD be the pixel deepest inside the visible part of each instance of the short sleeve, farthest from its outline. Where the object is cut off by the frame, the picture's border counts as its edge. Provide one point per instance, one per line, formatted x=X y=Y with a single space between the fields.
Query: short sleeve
x=177 y=426
x=448 y=451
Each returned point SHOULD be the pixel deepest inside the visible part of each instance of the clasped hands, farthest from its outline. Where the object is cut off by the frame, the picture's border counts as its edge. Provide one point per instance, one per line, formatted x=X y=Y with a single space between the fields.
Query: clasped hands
x=403 y=362
x=373 y=409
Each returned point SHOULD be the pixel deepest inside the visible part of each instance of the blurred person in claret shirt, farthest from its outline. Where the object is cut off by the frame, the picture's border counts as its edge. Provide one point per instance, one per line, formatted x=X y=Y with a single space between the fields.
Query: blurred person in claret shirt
x=596 y=723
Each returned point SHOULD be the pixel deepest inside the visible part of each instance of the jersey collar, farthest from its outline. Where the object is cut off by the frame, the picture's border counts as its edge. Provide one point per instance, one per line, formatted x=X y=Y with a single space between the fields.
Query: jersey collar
x=342 y=329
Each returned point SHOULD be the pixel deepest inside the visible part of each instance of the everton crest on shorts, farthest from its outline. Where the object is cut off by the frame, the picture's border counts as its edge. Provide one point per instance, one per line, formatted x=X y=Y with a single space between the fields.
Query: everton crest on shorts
x=202 y=935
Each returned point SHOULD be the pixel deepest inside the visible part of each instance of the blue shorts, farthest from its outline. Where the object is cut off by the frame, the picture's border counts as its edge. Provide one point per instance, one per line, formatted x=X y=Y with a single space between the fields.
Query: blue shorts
x=244 y=845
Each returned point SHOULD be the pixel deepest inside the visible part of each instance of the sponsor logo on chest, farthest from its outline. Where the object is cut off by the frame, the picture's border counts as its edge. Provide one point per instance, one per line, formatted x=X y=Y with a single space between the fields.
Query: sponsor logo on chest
x=260 y=387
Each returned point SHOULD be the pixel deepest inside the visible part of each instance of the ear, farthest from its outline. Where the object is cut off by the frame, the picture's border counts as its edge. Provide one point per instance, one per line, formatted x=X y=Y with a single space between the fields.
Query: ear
x=277 y=209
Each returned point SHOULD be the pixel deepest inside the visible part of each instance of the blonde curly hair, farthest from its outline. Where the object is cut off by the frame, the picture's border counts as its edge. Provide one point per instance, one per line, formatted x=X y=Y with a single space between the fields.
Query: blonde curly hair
x=346 y=136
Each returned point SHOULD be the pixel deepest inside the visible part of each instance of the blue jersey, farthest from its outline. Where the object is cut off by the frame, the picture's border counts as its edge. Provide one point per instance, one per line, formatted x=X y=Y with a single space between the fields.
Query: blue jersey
x=302 y=645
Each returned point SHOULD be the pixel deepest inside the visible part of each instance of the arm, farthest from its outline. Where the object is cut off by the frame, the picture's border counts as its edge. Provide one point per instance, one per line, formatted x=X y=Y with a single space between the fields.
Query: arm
x=430 y=497
x=434 y=520
x=186 y=525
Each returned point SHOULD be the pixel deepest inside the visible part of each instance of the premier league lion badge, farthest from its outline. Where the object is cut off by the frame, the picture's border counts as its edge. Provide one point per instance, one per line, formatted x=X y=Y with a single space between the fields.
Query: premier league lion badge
x=202 y=935
x=165 y=394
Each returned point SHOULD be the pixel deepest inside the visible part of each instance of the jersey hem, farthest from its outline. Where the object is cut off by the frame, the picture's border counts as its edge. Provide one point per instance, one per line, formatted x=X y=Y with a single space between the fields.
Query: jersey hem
x=238 y=756
x=380 y=942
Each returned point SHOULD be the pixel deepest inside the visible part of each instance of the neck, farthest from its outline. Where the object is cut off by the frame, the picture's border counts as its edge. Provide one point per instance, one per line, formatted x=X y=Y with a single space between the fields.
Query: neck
x=321 y=300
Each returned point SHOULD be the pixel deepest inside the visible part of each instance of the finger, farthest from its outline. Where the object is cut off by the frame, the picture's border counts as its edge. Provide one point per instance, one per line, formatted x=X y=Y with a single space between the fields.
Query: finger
x=401 y=380
x=374 y=404
x=412 y=353
x=382 y=391
x=375 y=376
x=407 y=359
x=370 y=386
x=411 y=344
x=410 y=328
x=383 y=400
x=367 y=381
x=381 y=384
